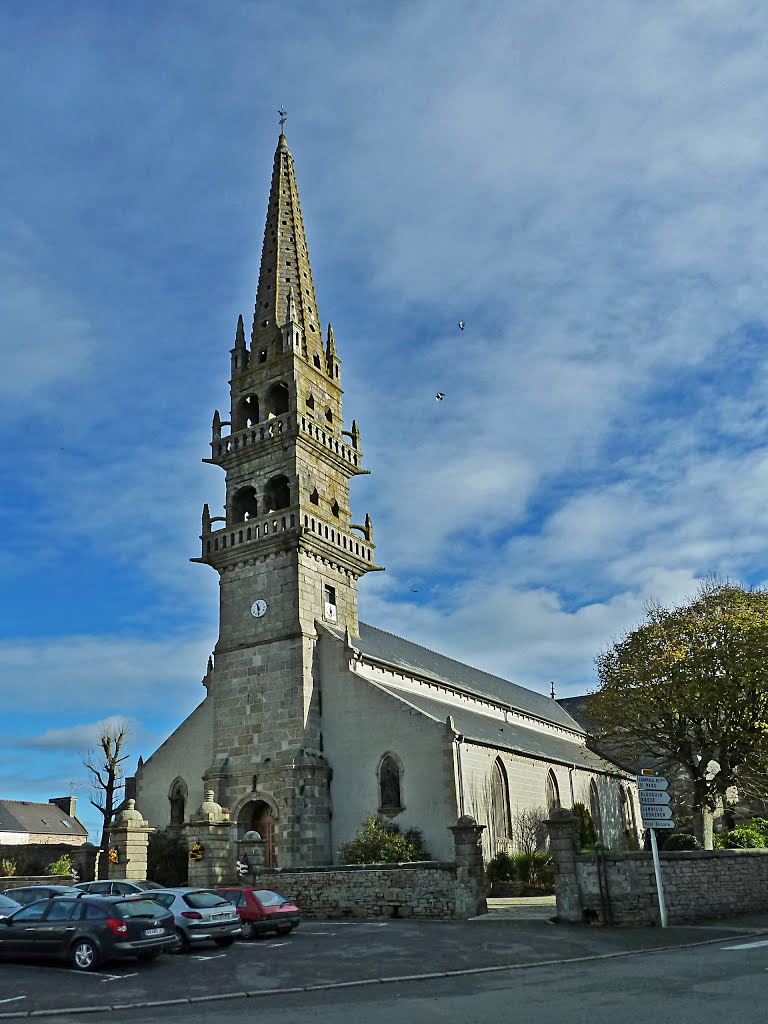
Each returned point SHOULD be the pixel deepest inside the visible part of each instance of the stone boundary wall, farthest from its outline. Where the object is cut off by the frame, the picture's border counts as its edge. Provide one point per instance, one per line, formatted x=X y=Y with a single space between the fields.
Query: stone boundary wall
x=423 y=889
x=34 y=857
x=697 y=884
x=17 y=881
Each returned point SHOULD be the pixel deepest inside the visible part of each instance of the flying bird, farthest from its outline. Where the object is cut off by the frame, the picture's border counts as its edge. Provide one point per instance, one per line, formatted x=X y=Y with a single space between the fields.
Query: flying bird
x=462 y=325
x=440 y=396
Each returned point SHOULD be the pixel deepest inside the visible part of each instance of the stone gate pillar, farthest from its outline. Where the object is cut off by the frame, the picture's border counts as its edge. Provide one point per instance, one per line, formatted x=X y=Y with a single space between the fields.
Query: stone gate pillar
x=211 y=859
x=129 y=836
x=470 y=870
x=251 y=851
x=560 y=826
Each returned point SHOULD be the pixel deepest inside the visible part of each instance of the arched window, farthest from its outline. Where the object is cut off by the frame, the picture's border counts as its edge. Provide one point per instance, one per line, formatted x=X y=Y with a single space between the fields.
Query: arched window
x=499 y=812
x=628 y=817
x=310 y=401
x=244 y=504
x=329 y=415
x=314 y=497
x=178 y=801
x=389 y=784
x=246 y=412
x=277 y=494
x=277 y=400
x=552 y=792
x=594 y=808
x=335 y=508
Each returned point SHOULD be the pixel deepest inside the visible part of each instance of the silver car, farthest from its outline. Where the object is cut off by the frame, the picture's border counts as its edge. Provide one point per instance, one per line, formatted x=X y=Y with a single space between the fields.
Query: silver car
x=7 y=906
x=201 y=915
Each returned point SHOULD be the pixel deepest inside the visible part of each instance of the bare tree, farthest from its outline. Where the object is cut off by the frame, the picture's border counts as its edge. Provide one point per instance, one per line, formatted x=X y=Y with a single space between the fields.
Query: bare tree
x=104 y=765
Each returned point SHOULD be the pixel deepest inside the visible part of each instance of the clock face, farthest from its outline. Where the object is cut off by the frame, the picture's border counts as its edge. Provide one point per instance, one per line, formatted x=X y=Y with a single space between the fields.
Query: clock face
x=259 y=608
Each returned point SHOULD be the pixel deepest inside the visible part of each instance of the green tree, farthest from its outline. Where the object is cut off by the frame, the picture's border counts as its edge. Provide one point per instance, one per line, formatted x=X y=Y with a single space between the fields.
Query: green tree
x=689 y=687
x=383 y=842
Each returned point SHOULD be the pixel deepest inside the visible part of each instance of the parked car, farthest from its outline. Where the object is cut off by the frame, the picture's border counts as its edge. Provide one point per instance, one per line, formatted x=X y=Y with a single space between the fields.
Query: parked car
x=7 y=906
x=262 y=910
x=201 y=915
x=88 y=930
x=26 y=894
x=117 y=887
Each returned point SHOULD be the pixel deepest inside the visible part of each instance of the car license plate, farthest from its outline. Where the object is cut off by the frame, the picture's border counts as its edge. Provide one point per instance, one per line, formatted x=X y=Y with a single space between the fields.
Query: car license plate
x=154 y=931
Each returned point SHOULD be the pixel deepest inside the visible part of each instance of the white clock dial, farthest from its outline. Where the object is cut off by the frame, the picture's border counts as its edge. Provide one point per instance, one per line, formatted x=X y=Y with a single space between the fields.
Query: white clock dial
x=259 y=608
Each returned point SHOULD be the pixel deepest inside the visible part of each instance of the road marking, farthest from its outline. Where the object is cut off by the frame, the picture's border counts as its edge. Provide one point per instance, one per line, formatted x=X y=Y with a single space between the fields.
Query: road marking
x=15 y=999
x=215 y=956
x=747 y=945
x=119 y=977
x=277 y=945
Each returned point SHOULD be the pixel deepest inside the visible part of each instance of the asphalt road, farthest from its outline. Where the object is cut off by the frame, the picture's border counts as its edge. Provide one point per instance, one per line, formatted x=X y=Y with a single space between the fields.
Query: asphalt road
x=371 y=959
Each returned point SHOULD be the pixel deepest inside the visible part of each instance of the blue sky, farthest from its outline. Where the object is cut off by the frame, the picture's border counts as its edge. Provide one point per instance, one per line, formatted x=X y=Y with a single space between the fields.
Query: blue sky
x=584 y=184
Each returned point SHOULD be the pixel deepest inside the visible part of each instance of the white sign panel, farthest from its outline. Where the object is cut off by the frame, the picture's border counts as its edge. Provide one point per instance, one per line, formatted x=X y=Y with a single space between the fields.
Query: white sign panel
x=656 y=796
x=650 y=811
x=658 y=824
x=651 y=782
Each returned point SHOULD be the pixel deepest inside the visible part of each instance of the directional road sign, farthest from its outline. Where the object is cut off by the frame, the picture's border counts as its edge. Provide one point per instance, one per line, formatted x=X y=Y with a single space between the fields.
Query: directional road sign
x=654 y=811
x=658 y=824
x=647 y=783
x=658 y=797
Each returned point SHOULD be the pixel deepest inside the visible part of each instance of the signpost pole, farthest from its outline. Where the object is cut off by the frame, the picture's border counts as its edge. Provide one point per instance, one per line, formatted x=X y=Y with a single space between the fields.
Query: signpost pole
x=659 y=883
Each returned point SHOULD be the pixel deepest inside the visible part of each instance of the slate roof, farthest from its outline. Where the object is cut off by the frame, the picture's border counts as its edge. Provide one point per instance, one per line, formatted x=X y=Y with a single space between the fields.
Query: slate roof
x=35 y=818
x=403 y=654
x=507 y=735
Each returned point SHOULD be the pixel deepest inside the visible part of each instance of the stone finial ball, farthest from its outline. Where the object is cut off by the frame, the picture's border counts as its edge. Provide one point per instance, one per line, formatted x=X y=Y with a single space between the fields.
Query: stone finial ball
x=253 y=836
x=466 y=819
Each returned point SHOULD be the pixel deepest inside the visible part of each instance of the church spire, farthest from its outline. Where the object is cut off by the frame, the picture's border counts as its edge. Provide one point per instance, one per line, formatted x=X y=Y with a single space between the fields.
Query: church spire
x=285 y=264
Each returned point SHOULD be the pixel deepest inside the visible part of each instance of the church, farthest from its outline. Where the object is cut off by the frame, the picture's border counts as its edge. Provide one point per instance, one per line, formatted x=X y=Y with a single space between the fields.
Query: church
x=313 y=721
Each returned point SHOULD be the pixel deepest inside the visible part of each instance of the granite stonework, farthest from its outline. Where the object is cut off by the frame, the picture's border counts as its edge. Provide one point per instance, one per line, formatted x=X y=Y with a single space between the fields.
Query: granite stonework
x=129 y=836
x=620 y=888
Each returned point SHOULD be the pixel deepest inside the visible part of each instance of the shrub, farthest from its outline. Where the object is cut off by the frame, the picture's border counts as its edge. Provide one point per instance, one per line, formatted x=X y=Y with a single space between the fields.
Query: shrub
x=759 y=825
x=535 y=869
x=64 y=865
x=681 y=841
x=500 y=868
x=741 y=838
x=383 y=842
x=8 y=867
x=584 y=831
x=167 y=858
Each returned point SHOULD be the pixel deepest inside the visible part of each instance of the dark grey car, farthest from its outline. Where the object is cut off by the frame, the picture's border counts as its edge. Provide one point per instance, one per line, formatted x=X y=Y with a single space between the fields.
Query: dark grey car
x=88 y=930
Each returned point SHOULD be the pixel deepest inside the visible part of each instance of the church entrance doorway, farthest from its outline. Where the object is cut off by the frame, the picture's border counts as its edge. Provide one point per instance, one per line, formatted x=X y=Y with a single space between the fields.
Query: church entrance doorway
x=257 y=816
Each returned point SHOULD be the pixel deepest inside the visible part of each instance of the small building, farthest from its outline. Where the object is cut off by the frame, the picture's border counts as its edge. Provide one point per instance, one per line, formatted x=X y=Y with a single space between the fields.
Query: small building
x=25 y=822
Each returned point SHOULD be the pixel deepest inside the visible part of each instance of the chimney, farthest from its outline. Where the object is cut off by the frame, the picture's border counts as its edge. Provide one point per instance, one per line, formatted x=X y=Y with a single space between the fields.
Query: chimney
x=68 y=804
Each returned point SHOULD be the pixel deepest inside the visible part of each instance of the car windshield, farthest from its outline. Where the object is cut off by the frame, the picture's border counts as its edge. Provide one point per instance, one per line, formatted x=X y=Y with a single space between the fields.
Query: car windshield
x=8 y=904
x=147 y=885
x=137 y=908
x=201 y=900
x=269 y=898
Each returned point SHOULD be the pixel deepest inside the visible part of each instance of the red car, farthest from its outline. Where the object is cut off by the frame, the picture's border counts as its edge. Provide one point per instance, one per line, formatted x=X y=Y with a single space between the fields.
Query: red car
x=262 y=910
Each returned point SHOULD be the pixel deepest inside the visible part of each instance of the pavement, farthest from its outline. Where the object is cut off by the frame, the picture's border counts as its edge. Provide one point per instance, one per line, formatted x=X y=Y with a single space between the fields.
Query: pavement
x=326 y=955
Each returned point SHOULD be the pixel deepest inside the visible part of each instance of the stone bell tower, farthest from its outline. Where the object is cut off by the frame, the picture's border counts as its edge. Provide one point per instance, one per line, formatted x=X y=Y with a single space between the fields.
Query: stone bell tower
x=285 y=548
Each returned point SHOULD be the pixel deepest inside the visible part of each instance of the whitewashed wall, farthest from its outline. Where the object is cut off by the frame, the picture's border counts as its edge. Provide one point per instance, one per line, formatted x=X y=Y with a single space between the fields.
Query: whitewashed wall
x=186 y=754
x=360 y=725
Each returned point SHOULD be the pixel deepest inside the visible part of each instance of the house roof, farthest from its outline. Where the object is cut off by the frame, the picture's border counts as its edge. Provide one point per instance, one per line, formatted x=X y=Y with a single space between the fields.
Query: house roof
x=413 y=658
x=506 y=735
x=35 y=818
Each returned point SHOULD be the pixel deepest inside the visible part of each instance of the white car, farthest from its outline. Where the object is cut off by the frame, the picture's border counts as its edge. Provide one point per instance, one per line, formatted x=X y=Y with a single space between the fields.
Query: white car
x=201 y=915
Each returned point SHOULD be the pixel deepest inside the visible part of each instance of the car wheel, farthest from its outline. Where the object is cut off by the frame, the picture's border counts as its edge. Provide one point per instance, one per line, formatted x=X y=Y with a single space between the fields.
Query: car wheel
x=84 y=956
x=285 y=929
x=183 y=943
x=151 y=954
x=248 y=930
x=226 y=941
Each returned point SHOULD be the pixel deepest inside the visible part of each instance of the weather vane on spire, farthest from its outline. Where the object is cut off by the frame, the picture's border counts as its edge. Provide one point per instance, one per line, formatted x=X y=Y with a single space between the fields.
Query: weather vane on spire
x=283 y=115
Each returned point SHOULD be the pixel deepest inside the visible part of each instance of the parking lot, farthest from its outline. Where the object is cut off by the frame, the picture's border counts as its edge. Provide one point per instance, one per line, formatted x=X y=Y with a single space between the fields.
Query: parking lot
x=329 y=954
